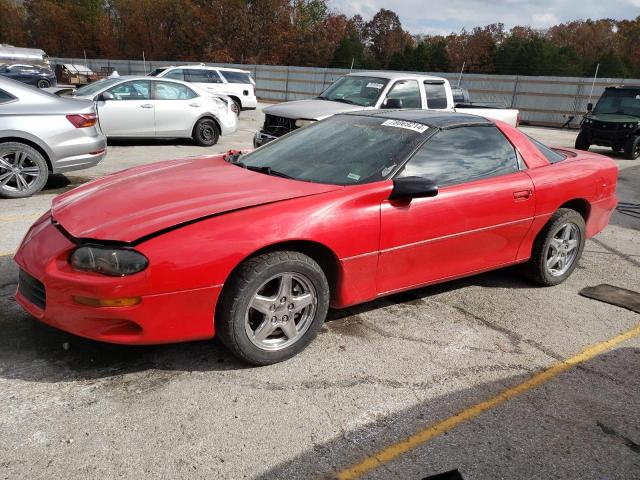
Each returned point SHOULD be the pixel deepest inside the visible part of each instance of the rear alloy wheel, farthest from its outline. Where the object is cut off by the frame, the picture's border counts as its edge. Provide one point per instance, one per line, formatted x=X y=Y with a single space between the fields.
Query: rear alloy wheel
x=236 y=108
x=205 y=133
x=273 y=307
x=557 y=248
x=43 y=83
x=582 y=142
x=632 y=148
x=23 y=170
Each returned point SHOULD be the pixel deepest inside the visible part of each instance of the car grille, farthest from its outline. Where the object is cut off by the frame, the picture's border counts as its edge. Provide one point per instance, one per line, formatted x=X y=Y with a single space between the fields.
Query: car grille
x=32 y=289
x=278 y=126
x=606 y=126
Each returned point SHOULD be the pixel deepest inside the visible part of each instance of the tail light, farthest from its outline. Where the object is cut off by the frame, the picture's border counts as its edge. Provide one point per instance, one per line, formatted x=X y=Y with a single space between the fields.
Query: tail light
x=83 y=120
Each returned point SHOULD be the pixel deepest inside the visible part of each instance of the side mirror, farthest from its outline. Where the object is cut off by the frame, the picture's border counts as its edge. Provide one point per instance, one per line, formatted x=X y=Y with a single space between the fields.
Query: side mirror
x=393 y=103
x=589 y=106
x=104 y=96
x=406 y=188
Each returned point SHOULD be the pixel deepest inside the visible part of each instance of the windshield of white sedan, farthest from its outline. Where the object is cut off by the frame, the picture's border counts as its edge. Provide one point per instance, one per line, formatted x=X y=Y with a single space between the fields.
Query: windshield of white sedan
x=342 y=150
x=363 y=91
x=96 y=87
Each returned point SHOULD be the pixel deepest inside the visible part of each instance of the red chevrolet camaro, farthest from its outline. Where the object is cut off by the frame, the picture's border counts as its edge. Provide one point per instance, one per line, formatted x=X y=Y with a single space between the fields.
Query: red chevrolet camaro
x=254 y=248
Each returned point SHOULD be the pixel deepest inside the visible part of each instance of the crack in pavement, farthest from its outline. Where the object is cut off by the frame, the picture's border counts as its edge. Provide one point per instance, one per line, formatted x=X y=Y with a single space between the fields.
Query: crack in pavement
x=633 y=446
x=617 y=252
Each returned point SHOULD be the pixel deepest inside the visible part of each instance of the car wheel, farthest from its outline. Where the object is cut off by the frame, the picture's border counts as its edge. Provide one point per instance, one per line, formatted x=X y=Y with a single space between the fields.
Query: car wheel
x=557 y=248
x=273 y=307
x=205 y=133
x=23 y=170
x=632 y=148
x=582 y=142
x=236 y=108
x=42 y=83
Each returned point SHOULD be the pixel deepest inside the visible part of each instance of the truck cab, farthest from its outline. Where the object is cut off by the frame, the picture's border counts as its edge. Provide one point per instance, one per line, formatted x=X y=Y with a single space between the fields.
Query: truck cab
x=614 y=122
x=371 y=90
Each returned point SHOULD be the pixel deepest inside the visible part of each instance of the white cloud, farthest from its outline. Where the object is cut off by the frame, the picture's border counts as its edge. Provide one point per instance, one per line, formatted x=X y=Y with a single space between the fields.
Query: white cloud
x=427 y=16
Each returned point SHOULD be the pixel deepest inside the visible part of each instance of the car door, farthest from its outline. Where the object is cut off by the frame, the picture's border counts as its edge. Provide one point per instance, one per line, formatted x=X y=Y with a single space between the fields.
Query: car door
x=130 y=113
x=205 y=78
x=476 y=222
x=176 y=109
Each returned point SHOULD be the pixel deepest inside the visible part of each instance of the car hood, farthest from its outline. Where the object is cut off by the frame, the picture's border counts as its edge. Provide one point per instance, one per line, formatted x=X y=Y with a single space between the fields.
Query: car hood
x=142 y=201
x=310 y=109
x=614 y=118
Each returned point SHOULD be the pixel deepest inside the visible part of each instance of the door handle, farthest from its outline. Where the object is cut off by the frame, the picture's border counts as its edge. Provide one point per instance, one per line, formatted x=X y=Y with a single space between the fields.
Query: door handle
x=522 y=194
x=146 y=105
x=194 y=104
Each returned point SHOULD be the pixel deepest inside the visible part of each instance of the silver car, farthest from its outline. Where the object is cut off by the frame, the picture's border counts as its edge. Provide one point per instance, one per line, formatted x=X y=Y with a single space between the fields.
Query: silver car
x=40 y=134
x=147 y=107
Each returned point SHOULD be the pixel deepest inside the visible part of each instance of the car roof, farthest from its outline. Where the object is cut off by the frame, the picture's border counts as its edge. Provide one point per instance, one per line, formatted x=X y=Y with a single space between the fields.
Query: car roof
x=394 y=75
x=431 y=118
x=209 y=67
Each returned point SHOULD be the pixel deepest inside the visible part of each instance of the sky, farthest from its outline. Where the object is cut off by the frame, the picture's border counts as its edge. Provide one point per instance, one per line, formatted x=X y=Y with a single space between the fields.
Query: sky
x=443 y=17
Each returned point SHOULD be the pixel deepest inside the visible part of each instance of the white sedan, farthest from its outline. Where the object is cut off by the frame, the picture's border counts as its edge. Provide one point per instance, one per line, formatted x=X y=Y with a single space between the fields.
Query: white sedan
x=144 y=107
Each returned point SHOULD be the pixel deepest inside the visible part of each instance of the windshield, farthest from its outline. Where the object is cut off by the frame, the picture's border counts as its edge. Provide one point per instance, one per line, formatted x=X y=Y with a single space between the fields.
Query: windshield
x=619 y=101
x=342 y=150
x=157 y=72
x=356 y=90
x=95 y=87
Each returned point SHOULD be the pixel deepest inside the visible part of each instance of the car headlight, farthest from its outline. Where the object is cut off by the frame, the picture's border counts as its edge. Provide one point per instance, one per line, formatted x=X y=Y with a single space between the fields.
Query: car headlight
x=112 y=261
x=304 y=123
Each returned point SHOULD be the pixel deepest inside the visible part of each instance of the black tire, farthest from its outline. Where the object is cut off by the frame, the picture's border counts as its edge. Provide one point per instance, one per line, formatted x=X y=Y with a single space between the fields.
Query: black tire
x=236 y=107
x=32 y=174
x=205 y=133
x=233 y=312
x=536 y=268
x=582 y=141
x=43 y=83
x=632 y=148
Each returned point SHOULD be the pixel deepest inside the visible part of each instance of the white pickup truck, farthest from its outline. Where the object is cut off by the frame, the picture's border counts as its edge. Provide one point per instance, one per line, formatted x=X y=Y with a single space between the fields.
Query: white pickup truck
x=371 y=90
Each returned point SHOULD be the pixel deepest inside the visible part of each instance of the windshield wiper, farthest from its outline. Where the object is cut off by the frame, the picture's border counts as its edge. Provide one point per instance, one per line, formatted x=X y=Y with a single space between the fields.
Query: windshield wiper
x=344 y=100
x=265 y=169
x=320 y=97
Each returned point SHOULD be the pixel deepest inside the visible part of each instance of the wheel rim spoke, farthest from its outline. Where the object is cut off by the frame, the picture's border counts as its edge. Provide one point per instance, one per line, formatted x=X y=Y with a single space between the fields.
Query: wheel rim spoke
x=265 y=329
x=262 y=304
x=286 y=286
x=5 y=164
x=5 y=177
x=301 y=302
x=289 y=329
x=31 y=171
x=22 y=183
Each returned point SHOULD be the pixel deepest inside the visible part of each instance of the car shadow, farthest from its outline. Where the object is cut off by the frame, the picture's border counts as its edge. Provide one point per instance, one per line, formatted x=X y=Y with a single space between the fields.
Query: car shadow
x=150 y=142
x=64 y=357
x=581 y=424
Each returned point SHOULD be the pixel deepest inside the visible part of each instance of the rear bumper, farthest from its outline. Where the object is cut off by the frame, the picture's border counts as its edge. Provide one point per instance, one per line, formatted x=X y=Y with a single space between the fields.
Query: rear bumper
x=79 y=153
x=249 y=102
x=165 y=317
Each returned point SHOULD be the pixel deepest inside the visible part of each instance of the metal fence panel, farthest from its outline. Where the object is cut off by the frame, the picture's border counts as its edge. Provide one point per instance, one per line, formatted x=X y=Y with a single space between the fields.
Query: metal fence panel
x=550 y=101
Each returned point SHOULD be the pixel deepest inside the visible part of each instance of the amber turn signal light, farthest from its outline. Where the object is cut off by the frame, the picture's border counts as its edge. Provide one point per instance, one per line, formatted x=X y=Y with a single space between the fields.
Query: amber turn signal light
x=108 y=302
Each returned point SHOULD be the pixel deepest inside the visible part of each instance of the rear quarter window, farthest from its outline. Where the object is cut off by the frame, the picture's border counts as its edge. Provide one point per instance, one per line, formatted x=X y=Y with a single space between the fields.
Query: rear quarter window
x=551 y=155
x=236 y=77
x=6 y=97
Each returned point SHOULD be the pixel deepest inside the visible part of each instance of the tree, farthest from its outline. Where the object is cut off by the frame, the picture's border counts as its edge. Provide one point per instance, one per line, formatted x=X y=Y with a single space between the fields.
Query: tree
x=386 y=36
x=13 y=30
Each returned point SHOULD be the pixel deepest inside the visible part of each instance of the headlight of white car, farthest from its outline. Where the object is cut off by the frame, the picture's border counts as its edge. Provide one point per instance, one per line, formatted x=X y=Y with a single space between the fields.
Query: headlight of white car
x=303 y=123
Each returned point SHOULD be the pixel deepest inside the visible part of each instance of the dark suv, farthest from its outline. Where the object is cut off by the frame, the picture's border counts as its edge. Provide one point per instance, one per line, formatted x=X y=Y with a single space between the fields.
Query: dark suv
x=614 y=122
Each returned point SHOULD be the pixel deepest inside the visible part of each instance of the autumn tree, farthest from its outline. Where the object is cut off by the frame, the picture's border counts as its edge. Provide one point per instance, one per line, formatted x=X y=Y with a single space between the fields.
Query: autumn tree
x=386 y=36
x=13 y=30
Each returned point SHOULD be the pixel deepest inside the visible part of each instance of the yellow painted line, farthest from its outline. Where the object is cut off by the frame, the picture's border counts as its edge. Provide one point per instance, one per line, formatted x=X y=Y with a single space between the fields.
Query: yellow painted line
x=423 y=436
x=19 y=218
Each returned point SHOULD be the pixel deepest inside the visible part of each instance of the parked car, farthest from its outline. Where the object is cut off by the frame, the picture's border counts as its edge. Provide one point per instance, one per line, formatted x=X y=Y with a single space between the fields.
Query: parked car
x=235 y=83
x=41 y=77
x=31 y=56
x=40 y=134
x=614 y=122
x=254 y=248
x=372 y=90
x=145 y=107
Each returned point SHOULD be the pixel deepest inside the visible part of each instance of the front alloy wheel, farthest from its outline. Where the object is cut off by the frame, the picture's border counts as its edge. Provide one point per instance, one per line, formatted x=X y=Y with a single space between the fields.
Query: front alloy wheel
x=563 y=249
x=272 y=307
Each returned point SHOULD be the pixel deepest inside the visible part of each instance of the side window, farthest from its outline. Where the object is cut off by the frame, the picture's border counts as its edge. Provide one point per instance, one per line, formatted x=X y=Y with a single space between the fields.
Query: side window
x=173 y=91
x=436 y=95
x=5 y=97
x=408 y=91
x=177 y=74
x=197 y=76
x=133 y=90
x=236 y=77
x=214 y=76
x=462 y=155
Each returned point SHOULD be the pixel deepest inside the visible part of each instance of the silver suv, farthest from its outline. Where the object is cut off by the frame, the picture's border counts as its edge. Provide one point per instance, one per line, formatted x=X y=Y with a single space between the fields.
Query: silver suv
x=41 y=133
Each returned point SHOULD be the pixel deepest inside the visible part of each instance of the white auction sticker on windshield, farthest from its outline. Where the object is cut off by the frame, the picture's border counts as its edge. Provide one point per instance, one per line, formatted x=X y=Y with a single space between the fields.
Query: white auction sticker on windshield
x=375 y=85
x=353 y=176
x=416 y=127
